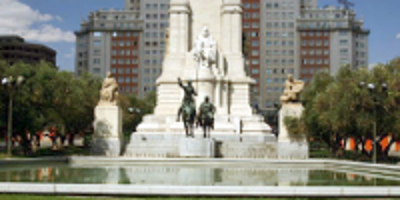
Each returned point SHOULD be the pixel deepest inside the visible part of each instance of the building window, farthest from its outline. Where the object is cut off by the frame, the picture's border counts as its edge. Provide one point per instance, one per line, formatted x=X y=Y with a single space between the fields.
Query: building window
x=255 y=71
x=97 y=43
x=343 y=33
x=254 y=43
x=97 y=34
x=96 y=70
x=255 y=62
x=254 y=53
x=344 y=51
x=96 y=61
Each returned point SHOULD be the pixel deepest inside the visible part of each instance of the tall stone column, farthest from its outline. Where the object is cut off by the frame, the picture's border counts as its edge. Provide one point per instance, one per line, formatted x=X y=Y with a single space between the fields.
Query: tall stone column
x=168 y=92
x=232 y=51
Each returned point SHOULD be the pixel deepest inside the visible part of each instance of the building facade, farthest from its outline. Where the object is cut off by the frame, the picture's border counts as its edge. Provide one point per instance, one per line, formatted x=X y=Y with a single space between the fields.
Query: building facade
x=330 y=38
x=129 y=43
x=281 y=38
x=14 y=49
x=155 y=15
x=109 y=41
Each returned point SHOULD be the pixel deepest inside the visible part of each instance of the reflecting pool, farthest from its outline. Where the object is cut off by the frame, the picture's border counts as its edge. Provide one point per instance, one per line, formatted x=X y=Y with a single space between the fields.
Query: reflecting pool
x=204 y=174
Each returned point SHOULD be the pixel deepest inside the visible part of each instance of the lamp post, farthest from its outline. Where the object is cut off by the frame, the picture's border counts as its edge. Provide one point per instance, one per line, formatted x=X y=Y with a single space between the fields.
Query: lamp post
x=134 y=110
x=11 y=84
x=277 y=108
x=372 y=89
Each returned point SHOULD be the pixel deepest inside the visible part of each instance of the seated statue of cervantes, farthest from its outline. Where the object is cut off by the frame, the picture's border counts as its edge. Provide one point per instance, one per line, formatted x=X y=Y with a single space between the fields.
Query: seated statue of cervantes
x=293 y=89
x=109 y=91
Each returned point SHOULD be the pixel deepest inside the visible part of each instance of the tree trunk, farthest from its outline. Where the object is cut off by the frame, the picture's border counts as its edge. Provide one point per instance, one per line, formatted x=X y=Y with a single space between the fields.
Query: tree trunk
x=71 y=140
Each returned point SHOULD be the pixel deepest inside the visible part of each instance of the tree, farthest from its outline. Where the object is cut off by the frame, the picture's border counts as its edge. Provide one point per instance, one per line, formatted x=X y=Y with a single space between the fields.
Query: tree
x=50 y=97
x=140 y=108
x=338 y=107
x=3 y=100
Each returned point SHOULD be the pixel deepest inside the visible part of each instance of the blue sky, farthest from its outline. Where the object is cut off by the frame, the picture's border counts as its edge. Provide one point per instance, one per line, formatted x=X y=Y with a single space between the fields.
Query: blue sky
x=52 y=22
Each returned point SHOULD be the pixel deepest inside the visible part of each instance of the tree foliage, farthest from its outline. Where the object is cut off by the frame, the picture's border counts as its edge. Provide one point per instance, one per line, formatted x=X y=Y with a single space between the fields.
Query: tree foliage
x=340 y=107
x=134 y=109
x=50 y=97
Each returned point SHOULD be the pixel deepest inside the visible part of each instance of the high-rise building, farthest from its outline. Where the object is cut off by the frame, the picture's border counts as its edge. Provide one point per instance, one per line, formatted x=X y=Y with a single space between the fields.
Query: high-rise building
x=278 y=33
x=155 y=15
x=281 y=37
x=109 y=41
x=252 y=47
x=129 y=43
x=330 y=38
x=14 y=49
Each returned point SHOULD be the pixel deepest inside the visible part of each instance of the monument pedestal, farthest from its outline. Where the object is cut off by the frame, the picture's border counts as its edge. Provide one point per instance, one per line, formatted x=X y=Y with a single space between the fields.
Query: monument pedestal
x=173 y=145
x=208 y=52
x=197 y=147
x=109 y=147
x=289 y=148
x=107 y=136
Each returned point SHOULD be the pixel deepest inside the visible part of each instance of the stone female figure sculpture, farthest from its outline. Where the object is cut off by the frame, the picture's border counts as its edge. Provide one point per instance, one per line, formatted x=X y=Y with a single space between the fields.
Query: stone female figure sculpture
x=293 y=89
x=109 y=92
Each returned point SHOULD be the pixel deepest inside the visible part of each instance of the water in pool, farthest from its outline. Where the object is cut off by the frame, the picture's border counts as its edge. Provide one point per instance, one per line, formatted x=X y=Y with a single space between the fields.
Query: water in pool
x=196 y=175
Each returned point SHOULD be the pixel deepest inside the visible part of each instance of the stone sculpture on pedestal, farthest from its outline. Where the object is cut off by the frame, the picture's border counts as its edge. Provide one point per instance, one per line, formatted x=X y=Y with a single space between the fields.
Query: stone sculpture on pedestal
x=291 y=107
x=107 y=136
x=188 y=107
x=206 y=117
x=293 y=89
x=205 y=51
x=109 y=92
x=205 y=46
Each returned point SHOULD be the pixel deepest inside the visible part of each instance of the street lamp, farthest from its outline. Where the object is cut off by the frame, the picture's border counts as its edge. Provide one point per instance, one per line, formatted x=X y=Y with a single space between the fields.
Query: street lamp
x=372 y=89
x=134 y=110
x=11 y=84
x=277 y=108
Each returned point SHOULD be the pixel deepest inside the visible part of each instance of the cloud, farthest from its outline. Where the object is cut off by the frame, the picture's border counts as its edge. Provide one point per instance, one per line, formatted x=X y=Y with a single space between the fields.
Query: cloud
x=398 y=36
x=19 y=18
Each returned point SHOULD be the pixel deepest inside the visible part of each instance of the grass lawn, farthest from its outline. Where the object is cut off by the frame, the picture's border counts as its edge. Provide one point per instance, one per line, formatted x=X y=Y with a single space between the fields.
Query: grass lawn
x=29 y=197
x=3 y=155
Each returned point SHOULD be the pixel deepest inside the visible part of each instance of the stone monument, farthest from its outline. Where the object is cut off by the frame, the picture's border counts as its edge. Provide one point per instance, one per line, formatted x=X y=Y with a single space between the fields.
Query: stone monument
x=107 y=136
x=290 y=148
x=205 y=47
